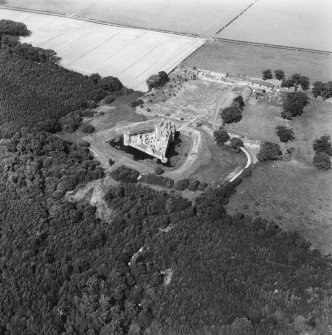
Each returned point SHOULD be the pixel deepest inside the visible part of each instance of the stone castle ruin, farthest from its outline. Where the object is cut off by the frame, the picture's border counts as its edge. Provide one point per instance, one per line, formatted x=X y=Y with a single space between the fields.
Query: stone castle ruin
x=154 y=143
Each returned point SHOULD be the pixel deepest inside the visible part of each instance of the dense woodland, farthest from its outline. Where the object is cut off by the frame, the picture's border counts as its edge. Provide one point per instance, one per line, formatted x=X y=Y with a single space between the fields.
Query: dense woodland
x=35 y=89
x=163 y=265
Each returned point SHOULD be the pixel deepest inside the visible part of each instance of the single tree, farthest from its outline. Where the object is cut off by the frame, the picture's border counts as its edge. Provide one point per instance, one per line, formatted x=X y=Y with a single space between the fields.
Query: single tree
x=239 y=101
x=221 y=136
x=304 y=82
x=279 y=74
x=287 y=83
x=317 y=88
x=323 y=144
x=267 y=74
x=294 y=104
x=88 y=128
x=236 y=143
x=296 y=78
x=322 y=160
x=269 y=151
x=231 y=114
x=285 y=134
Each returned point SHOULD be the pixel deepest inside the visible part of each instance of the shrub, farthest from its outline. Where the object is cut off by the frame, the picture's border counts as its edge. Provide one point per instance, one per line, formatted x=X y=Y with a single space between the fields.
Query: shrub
x=181 y=185
x=323 y=144
x=158 y=170
x=236 y=143
x=157 y=80
x=51 y=125
x=125 y=174
x=285 y=134
x=157 y=180
x=109 y=99
x=269 y=151
x=88 y=128
x=193 y=185
x=239 y=101
x=110 y=162
x=83 y=143
x=110 y=84
x=322 y=160
x=231 y=114
x=221 y=136
x=87 y=113
x=137 y=102
x=279 y=74
x=267 y=74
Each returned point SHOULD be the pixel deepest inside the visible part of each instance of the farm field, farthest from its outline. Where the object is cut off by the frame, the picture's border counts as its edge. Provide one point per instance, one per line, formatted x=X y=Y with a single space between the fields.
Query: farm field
x=252 y=60
x=308 y=190
x=132 y=55
x=199 y=17
x=303 y=23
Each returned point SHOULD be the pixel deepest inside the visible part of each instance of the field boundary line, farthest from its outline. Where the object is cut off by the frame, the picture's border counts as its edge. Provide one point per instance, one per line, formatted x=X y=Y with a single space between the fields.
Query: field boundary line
x=101 y=22
x=234 y=19
x=276 y=46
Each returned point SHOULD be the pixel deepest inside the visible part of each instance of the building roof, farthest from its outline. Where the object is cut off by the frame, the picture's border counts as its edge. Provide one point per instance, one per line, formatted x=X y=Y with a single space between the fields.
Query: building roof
x=262 y=83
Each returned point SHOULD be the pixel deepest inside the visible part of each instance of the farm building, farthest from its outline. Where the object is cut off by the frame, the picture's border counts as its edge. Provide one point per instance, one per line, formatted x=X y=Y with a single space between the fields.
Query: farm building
x=261 y=83
x=154 y=143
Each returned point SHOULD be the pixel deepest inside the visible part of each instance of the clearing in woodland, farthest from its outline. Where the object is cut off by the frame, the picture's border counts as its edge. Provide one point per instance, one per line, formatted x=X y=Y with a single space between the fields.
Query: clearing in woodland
x=132 y=55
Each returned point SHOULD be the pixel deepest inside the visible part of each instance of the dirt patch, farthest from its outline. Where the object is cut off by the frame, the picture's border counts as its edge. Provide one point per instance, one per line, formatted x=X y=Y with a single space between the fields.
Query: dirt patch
x=94 y=193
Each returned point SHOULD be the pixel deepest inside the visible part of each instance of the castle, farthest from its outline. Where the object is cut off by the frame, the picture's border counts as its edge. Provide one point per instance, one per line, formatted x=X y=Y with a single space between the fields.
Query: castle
x=154 y=143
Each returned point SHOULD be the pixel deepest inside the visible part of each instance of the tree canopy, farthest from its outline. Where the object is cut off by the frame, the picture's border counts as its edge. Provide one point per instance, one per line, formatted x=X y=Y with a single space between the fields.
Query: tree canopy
x=231 y=114
x=279 y=74
x=267 y=74
x=294 y=104
x=269 y=151
x=221 y=136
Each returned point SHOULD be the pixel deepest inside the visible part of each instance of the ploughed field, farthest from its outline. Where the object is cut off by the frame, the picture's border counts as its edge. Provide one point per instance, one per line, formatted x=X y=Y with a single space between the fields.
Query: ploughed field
x=194 y=17
x=132 y=55
x=296 y=23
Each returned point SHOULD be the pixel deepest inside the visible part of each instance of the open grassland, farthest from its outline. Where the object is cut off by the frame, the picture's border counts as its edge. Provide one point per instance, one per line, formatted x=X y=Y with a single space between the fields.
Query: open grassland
x=259 y=122
x=252 y=60
x=132 y=55
x=224 y=163
x=195 y=16
x=293 y=193
x=296 y=23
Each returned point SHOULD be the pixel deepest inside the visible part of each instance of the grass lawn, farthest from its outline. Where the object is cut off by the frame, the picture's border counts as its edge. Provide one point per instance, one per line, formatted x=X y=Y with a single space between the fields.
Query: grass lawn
x=295 y=194
x=223 y=163
x=252 y=60
x=259 y=122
